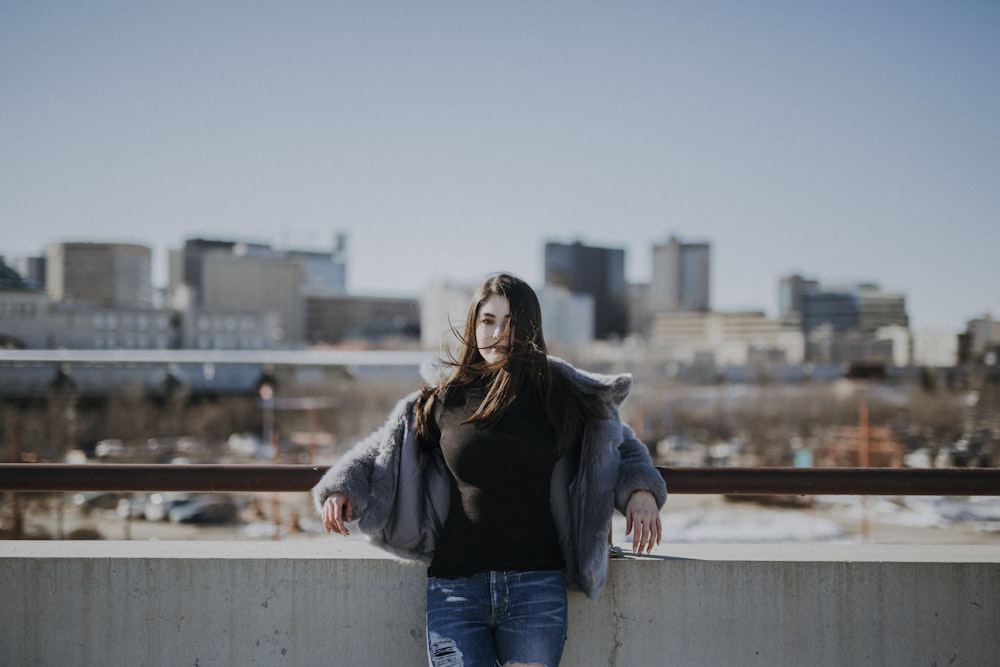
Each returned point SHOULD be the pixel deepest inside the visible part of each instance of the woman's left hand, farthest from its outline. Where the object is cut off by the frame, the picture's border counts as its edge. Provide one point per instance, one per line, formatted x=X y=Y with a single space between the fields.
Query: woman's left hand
x=643 y=515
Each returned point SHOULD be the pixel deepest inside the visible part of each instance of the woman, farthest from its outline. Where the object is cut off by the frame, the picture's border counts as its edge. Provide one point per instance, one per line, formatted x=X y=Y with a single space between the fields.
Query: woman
x=503 y=478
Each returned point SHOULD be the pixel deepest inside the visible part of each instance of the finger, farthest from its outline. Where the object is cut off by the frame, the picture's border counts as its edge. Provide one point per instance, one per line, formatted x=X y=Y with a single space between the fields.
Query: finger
x=345 y=517
x=332 y=515
x=328 y=521
x=647 y=533
x=338 y=516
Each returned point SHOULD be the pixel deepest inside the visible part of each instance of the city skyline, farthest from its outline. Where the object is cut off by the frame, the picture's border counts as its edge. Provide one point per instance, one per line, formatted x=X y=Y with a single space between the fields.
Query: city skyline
x=846 y=143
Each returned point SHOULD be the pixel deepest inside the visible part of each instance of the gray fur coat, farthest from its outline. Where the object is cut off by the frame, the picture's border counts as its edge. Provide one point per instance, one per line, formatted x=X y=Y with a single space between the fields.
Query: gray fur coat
x=400 y=493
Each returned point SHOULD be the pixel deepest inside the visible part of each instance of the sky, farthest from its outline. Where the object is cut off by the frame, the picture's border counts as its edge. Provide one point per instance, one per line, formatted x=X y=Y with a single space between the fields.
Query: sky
x=846 y=141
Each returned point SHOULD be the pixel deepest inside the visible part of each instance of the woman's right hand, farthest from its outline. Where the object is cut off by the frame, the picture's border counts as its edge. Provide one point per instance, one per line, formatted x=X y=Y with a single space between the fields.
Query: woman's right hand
x=337 y=513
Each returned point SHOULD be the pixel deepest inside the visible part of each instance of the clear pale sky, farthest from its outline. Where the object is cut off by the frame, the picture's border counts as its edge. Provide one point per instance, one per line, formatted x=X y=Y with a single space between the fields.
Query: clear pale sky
x=843 y=140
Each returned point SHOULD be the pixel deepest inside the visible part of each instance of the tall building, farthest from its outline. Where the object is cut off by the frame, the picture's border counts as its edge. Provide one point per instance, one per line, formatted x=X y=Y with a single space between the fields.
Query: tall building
x=862 y=307
x=325 y=272
x=31 y=269
x=107 y=274
x=597 y=272
x=681 y=277
x=443 y=307
x=880 y=309
x=855 y=324
x=790 y=291
x=567 y=319
x=835 y=309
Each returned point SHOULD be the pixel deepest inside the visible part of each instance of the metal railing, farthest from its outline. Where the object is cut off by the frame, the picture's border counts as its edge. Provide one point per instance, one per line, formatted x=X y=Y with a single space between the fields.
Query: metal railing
x=709 y=480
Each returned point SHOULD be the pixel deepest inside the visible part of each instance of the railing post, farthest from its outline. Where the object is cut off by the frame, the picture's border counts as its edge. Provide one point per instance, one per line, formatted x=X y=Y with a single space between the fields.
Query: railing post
x=17 y=528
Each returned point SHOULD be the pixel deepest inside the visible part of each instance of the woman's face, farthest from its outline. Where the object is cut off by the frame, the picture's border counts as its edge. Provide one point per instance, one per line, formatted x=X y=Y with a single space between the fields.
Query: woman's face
x=493 y=329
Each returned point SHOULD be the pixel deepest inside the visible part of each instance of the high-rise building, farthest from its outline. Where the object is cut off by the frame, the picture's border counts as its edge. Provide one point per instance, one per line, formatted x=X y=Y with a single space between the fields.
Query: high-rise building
x=880 y=309
x=862 y=307
x=567 y=318
x=108 y=274
x=597 y=272
x=31 y=269
x=681 y=277
x=790 y=291
x=325 y=272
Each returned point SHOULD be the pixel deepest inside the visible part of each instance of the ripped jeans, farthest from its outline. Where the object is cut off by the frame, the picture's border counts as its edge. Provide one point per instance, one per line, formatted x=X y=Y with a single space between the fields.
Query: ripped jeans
x=496 y=618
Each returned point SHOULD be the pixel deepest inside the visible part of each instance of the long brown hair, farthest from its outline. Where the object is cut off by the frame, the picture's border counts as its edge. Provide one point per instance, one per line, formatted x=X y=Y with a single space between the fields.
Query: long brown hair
x=525 y=368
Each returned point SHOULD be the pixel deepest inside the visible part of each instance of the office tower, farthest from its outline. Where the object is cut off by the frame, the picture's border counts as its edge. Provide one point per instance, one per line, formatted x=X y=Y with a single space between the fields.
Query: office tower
x=597 y=272
x=31 y=269
x=862 y=307
x=790 y=291
x=325 y=271
x=681 y=277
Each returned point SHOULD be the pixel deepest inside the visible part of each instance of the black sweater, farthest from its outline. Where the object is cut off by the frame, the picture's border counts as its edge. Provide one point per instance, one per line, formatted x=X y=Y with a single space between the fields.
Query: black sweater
x=499 y=517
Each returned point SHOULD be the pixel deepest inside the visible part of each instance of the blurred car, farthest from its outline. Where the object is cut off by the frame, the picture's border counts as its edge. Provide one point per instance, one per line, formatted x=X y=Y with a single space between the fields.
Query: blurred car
x=97 y=500
x=132 y=506
x=112 y=448
x=159 y=505
x=205 y=509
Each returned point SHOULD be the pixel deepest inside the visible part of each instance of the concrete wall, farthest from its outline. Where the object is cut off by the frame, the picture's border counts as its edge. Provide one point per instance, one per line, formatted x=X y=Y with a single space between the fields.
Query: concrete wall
x=338 y=602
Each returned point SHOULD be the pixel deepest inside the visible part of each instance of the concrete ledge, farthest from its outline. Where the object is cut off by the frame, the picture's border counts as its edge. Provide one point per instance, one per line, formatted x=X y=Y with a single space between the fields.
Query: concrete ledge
x=340 y=602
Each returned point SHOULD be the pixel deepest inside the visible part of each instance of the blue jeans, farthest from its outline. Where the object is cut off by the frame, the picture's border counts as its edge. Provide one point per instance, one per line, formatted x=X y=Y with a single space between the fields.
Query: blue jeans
x=495 y=618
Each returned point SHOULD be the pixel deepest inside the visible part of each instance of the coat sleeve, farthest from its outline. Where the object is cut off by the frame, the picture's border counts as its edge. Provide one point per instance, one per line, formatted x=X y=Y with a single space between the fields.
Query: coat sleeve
x=636 y=472
x=354 y=473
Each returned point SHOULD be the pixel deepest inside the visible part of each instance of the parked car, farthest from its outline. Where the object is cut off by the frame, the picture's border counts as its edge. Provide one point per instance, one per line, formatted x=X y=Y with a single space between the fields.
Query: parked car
x=97 y=500
x=112 y=448
x=159 y=505
x=206 y=509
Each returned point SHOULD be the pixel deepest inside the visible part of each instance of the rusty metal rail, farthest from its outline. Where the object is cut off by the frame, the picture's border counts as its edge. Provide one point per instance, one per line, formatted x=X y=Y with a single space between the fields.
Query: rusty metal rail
x=300 y=478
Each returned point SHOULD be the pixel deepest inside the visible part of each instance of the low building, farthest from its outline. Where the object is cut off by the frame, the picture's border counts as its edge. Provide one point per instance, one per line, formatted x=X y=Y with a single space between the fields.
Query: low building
x=374 y=320
x=935 y=349
x=732 y=339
